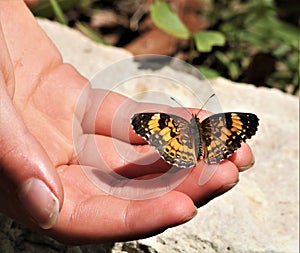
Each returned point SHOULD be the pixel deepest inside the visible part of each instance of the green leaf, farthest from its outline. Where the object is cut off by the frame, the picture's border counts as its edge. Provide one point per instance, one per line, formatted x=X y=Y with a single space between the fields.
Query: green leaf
x=45 y=9
x=280 y=32
x=167 y=20
x=58 y=12
x=208 y=72
x=205 y=40
x=230 y=63
x=90 y=33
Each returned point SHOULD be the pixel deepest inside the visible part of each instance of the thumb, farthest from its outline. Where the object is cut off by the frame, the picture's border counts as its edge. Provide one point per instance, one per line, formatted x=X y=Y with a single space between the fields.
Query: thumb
x=30 y=188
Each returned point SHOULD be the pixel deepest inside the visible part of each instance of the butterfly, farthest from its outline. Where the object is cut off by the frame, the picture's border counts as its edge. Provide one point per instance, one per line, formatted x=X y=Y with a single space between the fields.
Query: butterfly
x=181 y=142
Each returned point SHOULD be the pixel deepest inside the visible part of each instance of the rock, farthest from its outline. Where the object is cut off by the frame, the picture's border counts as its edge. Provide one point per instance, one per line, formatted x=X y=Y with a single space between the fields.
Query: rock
x=261 y=213
x=85 y=55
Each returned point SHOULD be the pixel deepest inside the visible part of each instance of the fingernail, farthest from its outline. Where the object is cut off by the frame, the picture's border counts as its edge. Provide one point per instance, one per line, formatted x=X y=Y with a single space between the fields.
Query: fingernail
x=223 y=189
x=241 y=169
x=40 y=203
x=191 y=217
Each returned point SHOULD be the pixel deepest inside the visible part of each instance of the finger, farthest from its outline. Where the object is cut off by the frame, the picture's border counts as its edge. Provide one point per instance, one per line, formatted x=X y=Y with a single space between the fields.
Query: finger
x=108 y=218
x=130 y=160
x=105 y=108
x=29 y=184
x=206 y=182
x=109 y=154
x=110 y=114
x=243 y=158
x=203 y=183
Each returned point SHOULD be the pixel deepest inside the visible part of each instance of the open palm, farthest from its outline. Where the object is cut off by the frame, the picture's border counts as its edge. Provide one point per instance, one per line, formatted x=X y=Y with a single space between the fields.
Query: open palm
x=49 y=122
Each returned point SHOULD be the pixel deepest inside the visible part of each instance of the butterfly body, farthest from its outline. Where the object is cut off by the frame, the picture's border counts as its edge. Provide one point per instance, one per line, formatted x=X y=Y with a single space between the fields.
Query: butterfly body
x=182 y=143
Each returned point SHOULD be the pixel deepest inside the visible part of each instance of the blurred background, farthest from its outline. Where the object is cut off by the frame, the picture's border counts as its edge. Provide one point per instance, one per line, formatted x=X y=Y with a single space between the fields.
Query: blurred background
x=255 y=41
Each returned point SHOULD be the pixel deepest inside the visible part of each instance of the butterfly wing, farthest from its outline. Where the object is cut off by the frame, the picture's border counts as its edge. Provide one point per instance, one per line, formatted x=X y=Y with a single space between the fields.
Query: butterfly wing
x=223 y=133
x=169 y=134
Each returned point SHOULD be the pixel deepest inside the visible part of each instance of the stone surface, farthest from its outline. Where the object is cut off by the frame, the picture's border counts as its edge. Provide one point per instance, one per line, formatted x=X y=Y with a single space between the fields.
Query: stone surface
x=261 y=213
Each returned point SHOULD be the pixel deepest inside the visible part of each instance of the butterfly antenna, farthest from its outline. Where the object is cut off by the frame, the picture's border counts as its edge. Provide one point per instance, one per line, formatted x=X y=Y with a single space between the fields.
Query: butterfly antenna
x=181 y=105
x=206 y=101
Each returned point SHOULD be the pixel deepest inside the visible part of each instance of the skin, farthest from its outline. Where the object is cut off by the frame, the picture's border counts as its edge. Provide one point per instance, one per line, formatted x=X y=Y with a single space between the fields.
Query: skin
x=38 y=98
